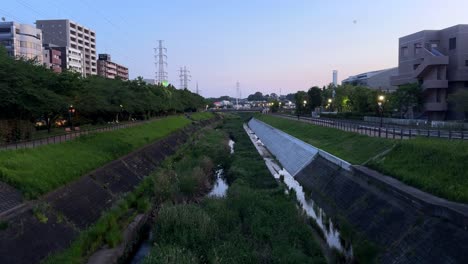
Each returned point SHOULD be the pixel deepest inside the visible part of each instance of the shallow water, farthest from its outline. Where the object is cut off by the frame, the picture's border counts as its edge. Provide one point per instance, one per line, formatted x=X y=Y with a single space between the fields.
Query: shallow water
x=231 y=145
x=143 y=251
x=331 y=234
x=220 y=187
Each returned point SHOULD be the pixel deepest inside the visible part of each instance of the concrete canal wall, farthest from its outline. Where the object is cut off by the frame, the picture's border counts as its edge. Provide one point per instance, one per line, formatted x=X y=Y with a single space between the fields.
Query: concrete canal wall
x=406 y=225
x=74 y=207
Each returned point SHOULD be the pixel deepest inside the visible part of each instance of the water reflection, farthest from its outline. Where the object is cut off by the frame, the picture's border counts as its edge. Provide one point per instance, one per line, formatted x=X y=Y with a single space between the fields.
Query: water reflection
x=331 y=234
x=220 y=187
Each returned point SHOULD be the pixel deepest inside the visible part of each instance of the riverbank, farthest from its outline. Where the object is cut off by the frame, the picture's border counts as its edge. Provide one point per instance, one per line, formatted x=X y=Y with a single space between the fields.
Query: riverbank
x=254 y=223
x=432 y=165
x=43 y=169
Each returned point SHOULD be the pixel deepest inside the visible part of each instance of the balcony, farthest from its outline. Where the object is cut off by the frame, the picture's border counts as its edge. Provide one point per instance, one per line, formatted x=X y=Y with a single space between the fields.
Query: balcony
x=442 y=106
x=435 y=84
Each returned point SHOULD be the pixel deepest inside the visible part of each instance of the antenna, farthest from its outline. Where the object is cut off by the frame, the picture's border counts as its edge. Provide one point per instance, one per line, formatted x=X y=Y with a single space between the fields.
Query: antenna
x=161 y=62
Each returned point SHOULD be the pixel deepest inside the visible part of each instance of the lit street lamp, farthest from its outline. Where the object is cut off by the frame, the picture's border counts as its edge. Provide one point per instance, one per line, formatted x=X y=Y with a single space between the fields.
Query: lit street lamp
x=380 y=102
x=71 y=111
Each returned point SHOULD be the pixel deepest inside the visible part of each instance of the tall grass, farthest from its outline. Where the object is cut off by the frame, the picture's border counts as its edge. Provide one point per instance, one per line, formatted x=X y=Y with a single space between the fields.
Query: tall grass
x=433 y=165
x=40 y=170
x=255 y=223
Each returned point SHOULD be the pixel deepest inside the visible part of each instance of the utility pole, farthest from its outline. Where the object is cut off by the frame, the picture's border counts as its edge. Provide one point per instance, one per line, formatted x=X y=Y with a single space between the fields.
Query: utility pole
x=185 y=76
x=161 y=63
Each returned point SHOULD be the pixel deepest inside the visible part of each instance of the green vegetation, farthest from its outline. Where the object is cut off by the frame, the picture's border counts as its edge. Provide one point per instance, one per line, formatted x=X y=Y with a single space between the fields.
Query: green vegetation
x=166 y=184
x=255 y=223
x=108 y=229
x=31 y=93
x=40 y=170
x=352 y=147
x=201 y=116
x=437 y=166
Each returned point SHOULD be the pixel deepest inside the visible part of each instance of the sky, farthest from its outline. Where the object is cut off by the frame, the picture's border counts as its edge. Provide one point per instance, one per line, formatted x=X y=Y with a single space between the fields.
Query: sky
x=271 y=46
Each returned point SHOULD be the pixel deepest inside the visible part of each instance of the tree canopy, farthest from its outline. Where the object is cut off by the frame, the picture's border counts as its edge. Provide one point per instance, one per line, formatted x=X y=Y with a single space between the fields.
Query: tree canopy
x=30 y=92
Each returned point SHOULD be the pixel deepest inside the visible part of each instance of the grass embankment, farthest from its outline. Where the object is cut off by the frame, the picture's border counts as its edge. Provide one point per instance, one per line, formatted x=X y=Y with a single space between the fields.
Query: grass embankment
x=42 y=169
x=352 y=147
x=255 y=223
x=202 y=116
x=180 y=179
x=437 y=166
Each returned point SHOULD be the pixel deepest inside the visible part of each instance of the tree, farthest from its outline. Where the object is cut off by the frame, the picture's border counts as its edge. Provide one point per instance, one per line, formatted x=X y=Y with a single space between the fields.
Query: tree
x=301 y=108
x=257 y=96
x=315 y=98
x=460 y=101
x=290 y=96
x=407 y=97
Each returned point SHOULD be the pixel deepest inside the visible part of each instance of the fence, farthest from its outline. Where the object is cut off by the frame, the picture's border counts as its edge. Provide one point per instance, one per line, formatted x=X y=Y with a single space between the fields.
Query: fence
x=417 y=122
x=65 y=136
x=384 y=131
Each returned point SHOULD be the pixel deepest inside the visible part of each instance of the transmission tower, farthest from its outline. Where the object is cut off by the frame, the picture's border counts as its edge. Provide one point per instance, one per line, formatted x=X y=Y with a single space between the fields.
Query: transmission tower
x=197 y=90
x=237 y=94
x=161 y=63
x=185 y=76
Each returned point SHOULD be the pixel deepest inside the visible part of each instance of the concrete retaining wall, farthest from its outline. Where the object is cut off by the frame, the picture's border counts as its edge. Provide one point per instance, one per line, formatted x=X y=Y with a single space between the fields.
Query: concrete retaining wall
x=292 y=153
x=79 y=204
x=407 y=225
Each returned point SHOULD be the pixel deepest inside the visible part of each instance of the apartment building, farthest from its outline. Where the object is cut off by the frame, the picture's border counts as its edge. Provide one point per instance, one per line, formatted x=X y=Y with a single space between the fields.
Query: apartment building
x=109 y=69
x=21 y=40
x=378 y=80
x=438 y=60
x=73 y=36
x=52 y=58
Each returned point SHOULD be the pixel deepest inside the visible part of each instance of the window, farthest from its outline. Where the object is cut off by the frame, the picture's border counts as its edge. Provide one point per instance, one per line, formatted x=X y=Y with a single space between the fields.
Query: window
x=415 y=66
x=438 y=95
x=466 y=63
x=404 y=51
x=417 y=48
x=5 y=30
x=452 y=43
x=466 y=84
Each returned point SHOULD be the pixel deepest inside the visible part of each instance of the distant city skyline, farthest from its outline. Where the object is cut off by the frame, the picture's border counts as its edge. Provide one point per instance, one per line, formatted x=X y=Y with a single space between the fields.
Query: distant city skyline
x=267 y=45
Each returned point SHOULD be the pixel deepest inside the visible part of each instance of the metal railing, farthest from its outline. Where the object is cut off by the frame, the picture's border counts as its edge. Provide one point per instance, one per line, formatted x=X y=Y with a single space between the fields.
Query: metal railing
x=66 y=136
x=384 y=131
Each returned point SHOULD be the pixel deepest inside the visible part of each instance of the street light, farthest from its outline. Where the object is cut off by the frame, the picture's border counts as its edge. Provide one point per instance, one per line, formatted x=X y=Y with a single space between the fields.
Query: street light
x=380 y=101
x=71 y=111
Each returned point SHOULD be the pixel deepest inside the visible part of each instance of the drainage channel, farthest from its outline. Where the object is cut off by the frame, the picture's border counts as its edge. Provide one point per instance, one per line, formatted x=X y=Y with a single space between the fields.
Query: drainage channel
x=330 y=233
x=218 y=191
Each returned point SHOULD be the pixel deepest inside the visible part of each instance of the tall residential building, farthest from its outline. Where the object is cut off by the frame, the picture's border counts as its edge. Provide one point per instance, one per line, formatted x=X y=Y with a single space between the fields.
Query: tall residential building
x=21 y=41
x=109 y=69
x=66 y=33
x=70 y=59
x=378 y=80
x=438 y=60
x=335 y=78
